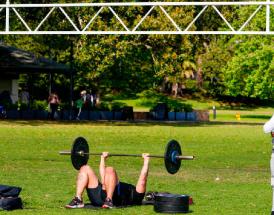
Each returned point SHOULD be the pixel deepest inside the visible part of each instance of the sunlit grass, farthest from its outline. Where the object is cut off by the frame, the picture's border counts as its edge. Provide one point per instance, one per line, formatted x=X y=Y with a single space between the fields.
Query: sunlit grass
x=230 y=174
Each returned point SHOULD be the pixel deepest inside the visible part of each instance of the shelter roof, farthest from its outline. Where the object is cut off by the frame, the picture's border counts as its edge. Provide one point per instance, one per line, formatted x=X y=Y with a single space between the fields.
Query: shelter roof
x=16 y=61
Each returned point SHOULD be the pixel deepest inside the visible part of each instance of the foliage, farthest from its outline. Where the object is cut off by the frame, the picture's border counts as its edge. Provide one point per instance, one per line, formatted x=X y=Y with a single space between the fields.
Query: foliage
x=125 y=64
x=250 y=73
x=64 y=106
x=117 y=106
x=152 y=98
x=39 y=105
x=179 y=107
x=214 y=59
x=104 y=106
x=10 y=106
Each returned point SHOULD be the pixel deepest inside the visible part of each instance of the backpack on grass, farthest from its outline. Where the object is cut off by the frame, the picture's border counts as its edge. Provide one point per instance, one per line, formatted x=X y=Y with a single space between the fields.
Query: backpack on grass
x=9 y=197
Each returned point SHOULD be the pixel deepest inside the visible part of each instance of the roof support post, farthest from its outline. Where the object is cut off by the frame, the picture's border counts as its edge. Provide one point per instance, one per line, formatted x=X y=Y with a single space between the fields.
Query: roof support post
x=267 y=24
x=71 y=81
x=50 y=82
x=7 y=16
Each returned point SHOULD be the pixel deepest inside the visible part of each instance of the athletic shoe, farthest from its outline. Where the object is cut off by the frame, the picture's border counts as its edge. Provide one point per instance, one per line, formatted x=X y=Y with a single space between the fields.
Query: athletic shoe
x=269 y=125
x=150 y=196
x=75 y=203
x=108 y=203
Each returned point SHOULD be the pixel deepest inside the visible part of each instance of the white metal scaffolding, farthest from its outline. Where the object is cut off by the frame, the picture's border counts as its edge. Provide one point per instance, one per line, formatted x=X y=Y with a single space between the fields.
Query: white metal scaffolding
x=8 y=8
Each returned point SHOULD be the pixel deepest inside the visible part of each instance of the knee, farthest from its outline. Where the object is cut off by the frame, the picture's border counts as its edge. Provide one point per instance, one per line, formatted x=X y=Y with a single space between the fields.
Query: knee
x=110 y=170
x=110 y=173
x=85 y=169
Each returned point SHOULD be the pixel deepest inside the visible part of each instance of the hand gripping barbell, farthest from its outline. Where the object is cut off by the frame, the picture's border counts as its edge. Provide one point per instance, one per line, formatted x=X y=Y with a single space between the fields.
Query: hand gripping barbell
x=173 y=155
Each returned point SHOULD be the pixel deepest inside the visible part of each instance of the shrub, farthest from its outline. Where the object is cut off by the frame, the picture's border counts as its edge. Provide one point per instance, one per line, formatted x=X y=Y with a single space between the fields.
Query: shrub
x=104 y=106
x=65 y=106
x=150 y=98
x=117 y=106
x=38 y=105
x=148 y=94
x=10 y=106
x=179 y=107
x=176 y=107
x=23 y=106
x=188 y=108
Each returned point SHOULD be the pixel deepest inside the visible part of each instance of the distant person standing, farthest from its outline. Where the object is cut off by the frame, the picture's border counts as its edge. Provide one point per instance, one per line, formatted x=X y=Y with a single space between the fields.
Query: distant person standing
x=84 y=95
x=91 y=101
x=24 y=96
x=80 y=103
x=53 y=101
x=95 y=99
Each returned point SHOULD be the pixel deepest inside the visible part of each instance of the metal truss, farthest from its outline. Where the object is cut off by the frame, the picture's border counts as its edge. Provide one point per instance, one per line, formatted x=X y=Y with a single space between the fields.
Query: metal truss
x=6 y=9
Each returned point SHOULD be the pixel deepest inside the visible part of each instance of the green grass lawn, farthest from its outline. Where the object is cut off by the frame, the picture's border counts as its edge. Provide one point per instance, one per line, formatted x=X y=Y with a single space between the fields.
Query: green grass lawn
x=229 y=176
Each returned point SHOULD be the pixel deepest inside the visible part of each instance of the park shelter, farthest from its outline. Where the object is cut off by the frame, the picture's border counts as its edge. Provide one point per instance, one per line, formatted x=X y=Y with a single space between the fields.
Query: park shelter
x=14 y=61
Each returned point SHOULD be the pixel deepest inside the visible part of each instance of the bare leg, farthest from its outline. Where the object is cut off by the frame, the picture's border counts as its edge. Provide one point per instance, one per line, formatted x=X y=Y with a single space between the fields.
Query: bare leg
x=86 y=178
x=79 y=112
x=111 y=180
x=142 y=181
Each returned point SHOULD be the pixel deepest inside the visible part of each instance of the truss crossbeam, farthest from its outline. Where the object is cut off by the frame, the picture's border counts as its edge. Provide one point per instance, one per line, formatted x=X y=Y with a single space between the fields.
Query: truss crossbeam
x=7 y=10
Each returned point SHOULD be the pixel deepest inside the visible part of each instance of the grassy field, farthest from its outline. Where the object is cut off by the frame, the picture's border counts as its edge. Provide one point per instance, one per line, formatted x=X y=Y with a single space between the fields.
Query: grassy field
x=229 y=176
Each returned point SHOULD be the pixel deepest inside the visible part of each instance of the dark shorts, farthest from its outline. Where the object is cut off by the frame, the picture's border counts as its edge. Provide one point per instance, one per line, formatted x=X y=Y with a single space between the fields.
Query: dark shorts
x=97 y=195
x=124 y=194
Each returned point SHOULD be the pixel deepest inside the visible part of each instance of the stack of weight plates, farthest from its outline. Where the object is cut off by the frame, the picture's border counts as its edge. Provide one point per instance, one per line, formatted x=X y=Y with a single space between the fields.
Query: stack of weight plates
x=171 y=203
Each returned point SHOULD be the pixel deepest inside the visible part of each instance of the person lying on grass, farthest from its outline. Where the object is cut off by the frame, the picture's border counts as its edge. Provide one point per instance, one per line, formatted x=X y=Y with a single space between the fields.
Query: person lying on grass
x=110 y=191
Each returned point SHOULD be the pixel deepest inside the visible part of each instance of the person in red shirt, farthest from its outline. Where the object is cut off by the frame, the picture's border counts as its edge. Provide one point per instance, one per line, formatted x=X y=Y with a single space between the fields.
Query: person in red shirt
x=53 y=101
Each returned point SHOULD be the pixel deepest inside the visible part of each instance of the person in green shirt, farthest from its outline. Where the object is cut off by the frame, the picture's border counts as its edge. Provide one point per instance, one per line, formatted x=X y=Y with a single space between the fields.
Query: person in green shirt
x=79 y=104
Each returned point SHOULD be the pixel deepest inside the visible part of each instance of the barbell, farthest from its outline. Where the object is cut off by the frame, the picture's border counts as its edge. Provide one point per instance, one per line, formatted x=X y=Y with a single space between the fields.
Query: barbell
x=173 y=155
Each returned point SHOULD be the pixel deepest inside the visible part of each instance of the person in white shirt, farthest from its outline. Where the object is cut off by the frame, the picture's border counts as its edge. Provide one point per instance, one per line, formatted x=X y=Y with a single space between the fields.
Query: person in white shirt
x=269 y=128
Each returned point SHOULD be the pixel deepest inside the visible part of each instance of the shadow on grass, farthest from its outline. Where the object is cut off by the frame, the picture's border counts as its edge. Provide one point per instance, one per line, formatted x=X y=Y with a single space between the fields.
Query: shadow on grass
x=127 y=123
x=256 y=116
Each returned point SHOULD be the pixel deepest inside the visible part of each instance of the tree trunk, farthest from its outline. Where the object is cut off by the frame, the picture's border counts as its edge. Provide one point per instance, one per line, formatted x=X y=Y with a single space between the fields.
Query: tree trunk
x=199 y=78
x=174 y=89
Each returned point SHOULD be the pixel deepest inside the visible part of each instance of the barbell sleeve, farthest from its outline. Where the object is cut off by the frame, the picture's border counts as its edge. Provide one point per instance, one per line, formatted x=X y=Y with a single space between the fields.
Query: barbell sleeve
x=185 y=157
x=65 y=153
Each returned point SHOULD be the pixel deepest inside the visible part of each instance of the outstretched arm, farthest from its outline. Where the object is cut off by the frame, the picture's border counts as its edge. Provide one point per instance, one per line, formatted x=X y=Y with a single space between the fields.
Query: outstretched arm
x=102 y=167
x=142 y=181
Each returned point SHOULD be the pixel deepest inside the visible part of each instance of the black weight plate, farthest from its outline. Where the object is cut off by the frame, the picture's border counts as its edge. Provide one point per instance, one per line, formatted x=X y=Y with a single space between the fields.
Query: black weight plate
x=171 y=203
x=77 y=160
x=173 y=148
x=171 y=198
x=160 y=208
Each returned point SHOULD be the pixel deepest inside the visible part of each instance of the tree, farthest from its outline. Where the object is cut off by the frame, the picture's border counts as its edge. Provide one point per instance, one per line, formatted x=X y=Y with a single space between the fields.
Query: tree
x=250 y=73
x=217 y=54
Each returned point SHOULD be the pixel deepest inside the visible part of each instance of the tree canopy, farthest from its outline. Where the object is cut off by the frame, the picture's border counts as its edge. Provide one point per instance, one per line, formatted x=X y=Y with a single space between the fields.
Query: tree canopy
x=213 y=64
